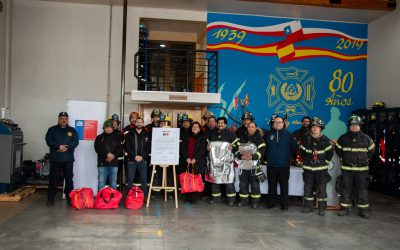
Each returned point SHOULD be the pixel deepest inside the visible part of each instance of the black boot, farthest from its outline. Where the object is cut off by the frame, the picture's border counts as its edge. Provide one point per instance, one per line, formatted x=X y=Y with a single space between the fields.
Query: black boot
x=321 y=208
x=307 y=207
x=364 y=213
x=344 y=211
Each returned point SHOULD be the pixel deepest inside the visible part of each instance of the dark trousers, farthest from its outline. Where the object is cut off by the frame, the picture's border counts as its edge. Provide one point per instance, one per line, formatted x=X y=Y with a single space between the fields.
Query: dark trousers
x=278 y=175
x=229 y=191
x=142 y=167
x=247 y=178
x=357 y=180
x=54 y=178
x=318 y=180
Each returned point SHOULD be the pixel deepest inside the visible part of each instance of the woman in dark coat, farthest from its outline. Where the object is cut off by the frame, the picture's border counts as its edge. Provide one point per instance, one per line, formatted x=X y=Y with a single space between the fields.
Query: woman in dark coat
x=193 y=149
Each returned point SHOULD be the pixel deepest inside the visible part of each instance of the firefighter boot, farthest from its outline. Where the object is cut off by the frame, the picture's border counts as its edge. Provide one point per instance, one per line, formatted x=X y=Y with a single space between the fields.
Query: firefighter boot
x=321 y=208
x=364 y=213
x=344 y=211
x=307 y=207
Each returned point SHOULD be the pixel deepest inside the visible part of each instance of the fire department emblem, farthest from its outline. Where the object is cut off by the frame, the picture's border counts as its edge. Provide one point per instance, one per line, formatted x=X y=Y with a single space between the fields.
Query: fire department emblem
x=291 y=91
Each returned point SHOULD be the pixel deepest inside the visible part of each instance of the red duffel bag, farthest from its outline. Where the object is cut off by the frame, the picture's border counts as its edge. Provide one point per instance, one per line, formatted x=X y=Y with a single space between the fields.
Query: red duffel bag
x=82 y=198
x=191 y=182
x=108 y=198
x=134 y=199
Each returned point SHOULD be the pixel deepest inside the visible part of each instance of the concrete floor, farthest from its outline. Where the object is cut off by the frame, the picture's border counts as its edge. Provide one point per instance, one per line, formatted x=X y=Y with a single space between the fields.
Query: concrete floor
x=30 y=224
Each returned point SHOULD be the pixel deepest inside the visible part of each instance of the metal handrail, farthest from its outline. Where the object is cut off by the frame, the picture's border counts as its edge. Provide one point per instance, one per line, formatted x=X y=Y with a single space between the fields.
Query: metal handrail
x=159 y=69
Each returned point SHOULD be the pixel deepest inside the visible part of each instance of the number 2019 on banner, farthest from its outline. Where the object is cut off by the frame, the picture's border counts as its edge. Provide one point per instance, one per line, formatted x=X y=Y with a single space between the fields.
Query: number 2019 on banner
x=230 y=35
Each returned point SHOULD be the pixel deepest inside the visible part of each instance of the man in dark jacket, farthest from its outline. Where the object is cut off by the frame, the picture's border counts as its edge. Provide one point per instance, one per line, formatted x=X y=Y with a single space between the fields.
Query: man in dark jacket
x=108 y=147
x=317 y=152
x=132 y=120
x=247 y=177
x=354 y=148
x=62 y=141
x=224 y=135
x=304 y=130
x=281 y=146
x=137 y=148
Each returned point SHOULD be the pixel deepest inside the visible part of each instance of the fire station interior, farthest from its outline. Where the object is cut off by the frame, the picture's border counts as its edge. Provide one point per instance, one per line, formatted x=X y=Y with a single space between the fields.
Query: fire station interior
x=124 y=56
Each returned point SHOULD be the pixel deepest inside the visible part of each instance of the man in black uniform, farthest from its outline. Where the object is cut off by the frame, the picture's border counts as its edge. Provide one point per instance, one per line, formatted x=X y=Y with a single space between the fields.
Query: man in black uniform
x=137 y=148
x=62 y=141
x=354 y=148
x=247 y=117
x=224 y=135
x=117 y=131
x=249 y=176
x=304 y=130
x=317 y=152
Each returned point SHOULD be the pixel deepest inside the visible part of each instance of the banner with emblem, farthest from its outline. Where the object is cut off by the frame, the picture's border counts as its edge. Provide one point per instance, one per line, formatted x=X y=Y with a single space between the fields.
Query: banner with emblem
x=290 y=67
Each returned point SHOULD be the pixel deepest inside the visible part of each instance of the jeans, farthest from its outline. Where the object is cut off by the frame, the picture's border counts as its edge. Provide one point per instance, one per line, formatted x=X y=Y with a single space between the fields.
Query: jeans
x=142 y=167
x=111 y=172
x=54 y=178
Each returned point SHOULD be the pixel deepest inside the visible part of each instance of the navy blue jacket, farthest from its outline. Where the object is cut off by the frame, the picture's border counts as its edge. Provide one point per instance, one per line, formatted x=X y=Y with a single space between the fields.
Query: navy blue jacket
x=281 y=145
x=57 y=136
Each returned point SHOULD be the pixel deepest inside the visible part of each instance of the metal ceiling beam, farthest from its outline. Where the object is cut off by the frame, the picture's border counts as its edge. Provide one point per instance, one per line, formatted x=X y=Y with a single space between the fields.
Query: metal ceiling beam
x=347 y=4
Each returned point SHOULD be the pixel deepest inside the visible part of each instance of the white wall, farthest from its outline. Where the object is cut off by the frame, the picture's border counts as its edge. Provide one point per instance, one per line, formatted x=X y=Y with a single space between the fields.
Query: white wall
x=383 y=69
x=60 y=51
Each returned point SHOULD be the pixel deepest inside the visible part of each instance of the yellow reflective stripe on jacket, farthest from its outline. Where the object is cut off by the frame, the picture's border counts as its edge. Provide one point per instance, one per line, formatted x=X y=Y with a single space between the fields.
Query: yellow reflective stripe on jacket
x=255 y=196
x=355 y=168
x=231 y=195
x=328 y=148
x=216 y=194
x=309 y=198
x=262 y=145
x=235 y=141
x=304 y=149
x=371 y=147
x=345 y=205
x=322 y=199
x=320 y=152
x=363 y=206
x=259 y=155
x=355 y=149
x=243 y=195
x=338 y=146
x=315 y=168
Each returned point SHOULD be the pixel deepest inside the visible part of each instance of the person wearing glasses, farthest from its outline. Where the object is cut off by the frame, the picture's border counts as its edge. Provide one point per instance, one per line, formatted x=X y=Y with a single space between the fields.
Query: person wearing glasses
x=281 y=146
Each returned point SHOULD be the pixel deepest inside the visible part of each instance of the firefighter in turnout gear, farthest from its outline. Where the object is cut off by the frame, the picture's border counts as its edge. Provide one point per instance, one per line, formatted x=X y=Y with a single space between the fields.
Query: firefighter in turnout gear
x=317 y=152
x=354 y=148
x=247 y=177
x=247 y=117
x=223 y=134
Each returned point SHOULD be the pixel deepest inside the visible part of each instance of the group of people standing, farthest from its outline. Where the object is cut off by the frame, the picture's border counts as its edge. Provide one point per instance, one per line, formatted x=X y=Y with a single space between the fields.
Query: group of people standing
x=130 y=149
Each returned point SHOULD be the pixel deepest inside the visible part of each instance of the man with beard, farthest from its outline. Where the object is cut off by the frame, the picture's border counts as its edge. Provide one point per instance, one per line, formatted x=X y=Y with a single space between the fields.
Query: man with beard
x=304 y=130
x=224 y=135
x=137 y=148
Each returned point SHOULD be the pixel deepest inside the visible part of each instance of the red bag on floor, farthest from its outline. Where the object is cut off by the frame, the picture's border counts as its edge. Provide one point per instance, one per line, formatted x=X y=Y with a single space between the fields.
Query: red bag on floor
x=108 y=198
x=134 y=199
x=190 y=182
x=82 y=198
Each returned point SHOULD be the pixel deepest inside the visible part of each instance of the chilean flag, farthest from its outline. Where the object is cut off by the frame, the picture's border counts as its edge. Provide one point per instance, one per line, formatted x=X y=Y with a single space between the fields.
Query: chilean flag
x=294 y=33
x=235 y=102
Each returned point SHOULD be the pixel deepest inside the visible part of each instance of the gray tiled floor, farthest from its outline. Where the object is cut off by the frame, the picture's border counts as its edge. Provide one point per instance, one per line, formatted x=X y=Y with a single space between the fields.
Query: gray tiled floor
x=35 y=226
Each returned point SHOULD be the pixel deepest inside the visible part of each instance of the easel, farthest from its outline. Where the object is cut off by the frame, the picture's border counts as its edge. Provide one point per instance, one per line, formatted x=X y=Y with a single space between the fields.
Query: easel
x=164 y=184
